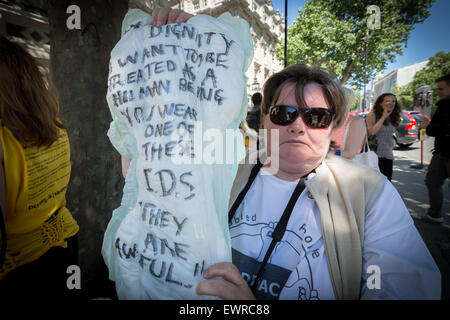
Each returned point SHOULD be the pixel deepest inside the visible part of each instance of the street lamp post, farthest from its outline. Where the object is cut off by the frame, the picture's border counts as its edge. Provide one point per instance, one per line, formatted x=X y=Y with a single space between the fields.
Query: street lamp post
x=285 y=32
x=366 y=39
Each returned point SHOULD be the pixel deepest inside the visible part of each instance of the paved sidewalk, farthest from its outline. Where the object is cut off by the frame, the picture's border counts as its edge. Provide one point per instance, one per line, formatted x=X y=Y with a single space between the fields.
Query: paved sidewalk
x=411 y=186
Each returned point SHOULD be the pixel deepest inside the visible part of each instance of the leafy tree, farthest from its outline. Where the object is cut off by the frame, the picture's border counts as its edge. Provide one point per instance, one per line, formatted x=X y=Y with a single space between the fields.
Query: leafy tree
x=357 y=100
x=330 y=34
x=404 y=96
x=437 y=66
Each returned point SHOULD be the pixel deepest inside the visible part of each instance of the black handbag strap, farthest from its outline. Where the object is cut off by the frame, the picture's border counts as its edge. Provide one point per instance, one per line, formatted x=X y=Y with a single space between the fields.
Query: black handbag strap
x=244 y=191
x=280 y=228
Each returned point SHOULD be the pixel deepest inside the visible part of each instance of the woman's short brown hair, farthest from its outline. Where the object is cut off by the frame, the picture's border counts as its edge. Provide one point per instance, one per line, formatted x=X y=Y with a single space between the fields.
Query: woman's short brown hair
x=27 y=106
x=301 y=75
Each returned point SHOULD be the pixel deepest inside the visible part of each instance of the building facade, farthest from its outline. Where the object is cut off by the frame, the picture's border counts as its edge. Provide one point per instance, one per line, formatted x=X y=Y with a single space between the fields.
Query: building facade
x=400 y=77
x=26 y=23
x=266 y=26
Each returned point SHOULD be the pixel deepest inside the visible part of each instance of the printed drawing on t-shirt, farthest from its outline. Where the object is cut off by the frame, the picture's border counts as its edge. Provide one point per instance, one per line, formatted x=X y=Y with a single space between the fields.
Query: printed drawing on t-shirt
x=289 y=265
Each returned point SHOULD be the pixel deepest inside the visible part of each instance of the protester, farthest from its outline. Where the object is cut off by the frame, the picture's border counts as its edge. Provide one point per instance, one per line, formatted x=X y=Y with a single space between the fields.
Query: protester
x=254 y=114
x=340 y=196
x=439 y=168
x=348 y=223
x=250 y=126
x=381 y=122
x=35 y=156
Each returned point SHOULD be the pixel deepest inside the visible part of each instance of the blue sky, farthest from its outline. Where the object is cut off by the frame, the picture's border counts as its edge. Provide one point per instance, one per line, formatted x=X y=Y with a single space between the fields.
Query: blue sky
x=425 y=40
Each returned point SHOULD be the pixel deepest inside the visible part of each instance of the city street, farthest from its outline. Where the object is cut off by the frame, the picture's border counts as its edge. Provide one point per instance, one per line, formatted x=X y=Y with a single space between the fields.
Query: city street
x=409 y=181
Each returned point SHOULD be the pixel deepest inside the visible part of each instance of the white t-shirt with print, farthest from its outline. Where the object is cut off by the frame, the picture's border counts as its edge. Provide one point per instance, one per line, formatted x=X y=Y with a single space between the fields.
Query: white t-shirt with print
x=297 y=267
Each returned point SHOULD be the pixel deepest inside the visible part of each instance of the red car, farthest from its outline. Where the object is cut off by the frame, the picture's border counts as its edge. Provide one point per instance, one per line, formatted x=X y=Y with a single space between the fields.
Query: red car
x=419 y=117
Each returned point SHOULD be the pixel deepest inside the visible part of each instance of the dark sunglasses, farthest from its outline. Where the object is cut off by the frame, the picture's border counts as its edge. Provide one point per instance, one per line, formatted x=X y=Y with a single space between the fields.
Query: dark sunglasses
x=316 y=118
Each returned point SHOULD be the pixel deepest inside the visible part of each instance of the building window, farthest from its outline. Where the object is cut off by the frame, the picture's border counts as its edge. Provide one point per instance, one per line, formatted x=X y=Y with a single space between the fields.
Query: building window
x=196 y=5
x=205 y=3
x=257 y=67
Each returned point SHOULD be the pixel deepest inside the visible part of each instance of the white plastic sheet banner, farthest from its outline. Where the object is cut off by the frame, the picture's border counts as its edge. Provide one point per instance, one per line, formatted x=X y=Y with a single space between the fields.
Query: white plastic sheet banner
x=175 y=87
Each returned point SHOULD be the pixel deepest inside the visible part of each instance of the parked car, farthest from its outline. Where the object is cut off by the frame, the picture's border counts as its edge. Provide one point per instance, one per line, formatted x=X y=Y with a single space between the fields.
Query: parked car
x=407 y=131
x=360 y=113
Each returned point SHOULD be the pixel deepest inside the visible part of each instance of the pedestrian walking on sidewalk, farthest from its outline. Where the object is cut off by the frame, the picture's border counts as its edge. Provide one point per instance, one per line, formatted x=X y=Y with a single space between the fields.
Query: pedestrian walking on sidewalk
x=439 y=168
x=254 y=115
x=381 y=122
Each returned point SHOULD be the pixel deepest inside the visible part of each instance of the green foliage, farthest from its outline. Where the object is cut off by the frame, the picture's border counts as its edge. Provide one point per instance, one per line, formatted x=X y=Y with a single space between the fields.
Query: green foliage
x=356 y=101
x=437 y=66
x=404 y=96
x=330 y=34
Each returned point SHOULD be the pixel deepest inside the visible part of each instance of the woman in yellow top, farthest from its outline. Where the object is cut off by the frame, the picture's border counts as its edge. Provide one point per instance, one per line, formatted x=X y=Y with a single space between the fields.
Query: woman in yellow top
x=34 y=174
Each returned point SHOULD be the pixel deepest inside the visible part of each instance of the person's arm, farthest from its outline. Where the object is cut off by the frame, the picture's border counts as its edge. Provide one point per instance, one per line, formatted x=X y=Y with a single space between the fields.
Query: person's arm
x=125 y=165
x=374 y=126
x=355 y=136
x=230 y=286
x=396 y=262
x=423 y=125
x=434 y=128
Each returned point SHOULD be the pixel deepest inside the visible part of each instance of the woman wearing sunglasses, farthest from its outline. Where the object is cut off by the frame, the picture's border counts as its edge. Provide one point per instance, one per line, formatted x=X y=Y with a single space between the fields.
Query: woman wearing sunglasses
x=381 y=122
x=306 y=224
x=318 y=226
